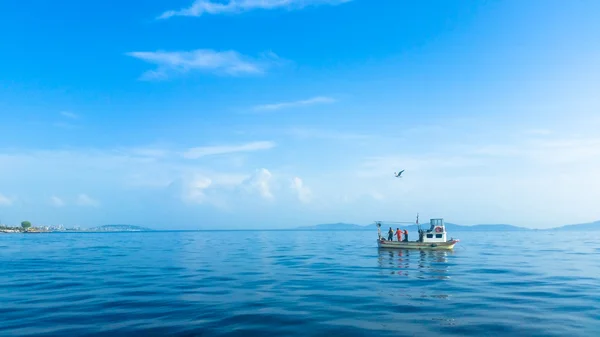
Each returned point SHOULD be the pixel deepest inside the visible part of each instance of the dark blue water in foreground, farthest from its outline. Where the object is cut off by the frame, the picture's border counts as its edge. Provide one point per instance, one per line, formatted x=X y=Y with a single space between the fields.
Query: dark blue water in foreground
x=297 y=284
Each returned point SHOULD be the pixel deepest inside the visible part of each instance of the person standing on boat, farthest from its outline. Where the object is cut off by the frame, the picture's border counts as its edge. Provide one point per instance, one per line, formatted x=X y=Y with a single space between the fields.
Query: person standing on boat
x=406 y=235
x=391 y=234
x=399 y=234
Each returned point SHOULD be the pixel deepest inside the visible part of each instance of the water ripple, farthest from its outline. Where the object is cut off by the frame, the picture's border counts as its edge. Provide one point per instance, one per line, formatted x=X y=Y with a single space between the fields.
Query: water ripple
x=296 y=284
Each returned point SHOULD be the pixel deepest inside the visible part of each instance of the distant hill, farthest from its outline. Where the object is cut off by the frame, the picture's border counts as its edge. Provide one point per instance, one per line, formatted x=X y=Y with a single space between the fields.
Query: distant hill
x=590 y=226
x=120 y=228
x=485 y=227
x=412 y=228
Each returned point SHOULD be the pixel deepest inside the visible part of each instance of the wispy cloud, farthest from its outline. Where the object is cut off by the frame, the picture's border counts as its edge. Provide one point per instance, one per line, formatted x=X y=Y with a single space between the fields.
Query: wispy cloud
x=220 y=189
x=194 y=190
x=69 y=115
x=572 y=150
x=229 y=63
x=85 y=200
x=200 y=7
x=384 y=166
x=5 y=201
x=286 y=105
x=57 y=202
x=93 y=179
x=551 y=156
x=67 y=120
x=260 y=182
x=302 y=191
x=203 y=151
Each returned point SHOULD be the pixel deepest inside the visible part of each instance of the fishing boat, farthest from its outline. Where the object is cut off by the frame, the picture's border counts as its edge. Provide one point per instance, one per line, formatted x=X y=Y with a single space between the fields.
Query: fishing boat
x=434 y=238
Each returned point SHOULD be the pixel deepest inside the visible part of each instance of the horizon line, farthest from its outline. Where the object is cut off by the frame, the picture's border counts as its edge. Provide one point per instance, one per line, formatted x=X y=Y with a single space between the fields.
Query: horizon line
x=305 y=227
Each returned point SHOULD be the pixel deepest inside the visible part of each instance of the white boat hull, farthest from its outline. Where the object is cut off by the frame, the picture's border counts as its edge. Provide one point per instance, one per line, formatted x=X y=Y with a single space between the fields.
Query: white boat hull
x=417 y=245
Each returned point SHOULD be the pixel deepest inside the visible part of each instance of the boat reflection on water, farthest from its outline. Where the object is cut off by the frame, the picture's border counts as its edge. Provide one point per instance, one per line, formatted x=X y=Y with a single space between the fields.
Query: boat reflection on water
x=422 y=264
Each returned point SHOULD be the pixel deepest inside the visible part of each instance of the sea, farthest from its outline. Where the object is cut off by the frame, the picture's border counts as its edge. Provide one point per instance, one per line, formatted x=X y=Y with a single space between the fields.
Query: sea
x=297 y=283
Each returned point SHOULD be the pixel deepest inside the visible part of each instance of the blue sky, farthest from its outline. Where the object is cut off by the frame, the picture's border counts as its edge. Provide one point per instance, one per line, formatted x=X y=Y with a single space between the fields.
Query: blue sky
x=280 y=113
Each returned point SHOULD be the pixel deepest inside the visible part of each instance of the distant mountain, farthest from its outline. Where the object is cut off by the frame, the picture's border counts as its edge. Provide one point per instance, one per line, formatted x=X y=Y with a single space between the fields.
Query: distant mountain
x=485 y=227
x=413 y=228
x=590 y=226
x=120 y=228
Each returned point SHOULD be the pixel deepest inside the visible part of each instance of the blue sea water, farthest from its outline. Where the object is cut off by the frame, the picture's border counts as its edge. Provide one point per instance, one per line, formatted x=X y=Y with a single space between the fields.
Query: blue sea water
x=269 y=283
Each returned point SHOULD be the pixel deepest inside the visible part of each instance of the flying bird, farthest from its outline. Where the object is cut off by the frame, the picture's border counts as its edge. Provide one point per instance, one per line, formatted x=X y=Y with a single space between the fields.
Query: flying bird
x=398 y=175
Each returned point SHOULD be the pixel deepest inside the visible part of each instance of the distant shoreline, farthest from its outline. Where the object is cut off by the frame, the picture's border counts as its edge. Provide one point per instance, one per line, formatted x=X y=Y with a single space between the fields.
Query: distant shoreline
x=65 y=232
x=591 y=226
x=338 y=227
x=61 y=229
x=279 y=230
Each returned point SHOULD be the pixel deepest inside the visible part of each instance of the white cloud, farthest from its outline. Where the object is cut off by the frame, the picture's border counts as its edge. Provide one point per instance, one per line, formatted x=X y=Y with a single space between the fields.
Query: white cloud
x=533 y=154
x=122 y=179
x=310 y=133
x=203 y=151
x=215 y=189
x=85 y=200
x=57 y=202
x=145 y=167
x=303 y=192
x=286 y=105
x=5 y=201
x=260 y=182
x=507 y=181
x=555 y=151
x=228 y=62
x=200 y=7
x=385 y=166
x=69 y=115
x=220 y=189
x=194 y=190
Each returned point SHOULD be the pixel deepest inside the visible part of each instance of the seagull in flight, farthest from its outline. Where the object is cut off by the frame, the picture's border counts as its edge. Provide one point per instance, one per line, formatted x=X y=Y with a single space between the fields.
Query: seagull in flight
x=398 y=175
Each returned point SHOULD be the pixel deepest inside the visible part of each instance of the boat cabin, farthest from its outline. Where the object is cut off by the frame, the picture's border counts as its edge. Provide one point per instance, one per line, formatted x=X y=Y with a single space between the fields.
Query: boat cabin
x=435 y=233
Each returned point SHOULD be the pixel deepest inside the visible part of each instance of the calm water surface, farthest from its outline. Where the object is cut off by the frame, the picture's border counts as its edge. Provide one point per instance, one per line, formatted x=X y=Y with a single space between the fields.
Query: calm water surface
x=297 y=284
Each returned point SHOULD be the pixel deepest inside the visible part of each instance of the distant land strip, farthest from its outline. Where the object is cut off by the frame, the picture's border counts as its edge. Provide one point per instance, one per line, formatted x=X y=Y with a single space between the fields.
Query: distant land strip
x=51 y=229
x=591 y=226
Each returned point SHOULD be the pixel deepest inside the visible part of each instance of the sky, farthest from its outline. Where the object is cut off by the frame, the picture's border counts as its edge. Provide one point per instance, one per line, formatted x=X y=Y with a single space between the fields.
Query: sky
x=248 y=114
